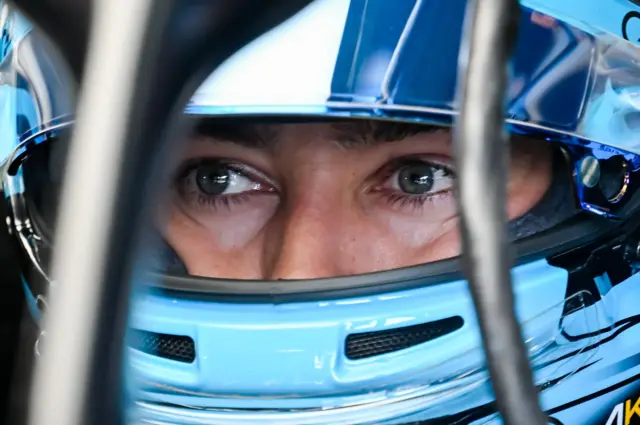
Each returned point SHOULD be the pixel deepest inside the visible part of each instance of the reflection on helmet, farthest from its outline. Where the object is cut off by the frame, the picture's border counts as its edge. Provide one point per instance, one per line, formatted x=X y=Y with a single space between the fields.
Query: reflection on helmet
x=307 y=268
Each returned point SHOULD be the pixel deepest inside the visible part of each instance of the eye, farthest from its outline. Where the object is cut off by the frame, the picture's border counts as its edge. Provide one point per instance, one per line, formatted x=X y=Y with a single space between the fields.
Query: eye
x=212 y=183
x=215 y=178
x=417 y=177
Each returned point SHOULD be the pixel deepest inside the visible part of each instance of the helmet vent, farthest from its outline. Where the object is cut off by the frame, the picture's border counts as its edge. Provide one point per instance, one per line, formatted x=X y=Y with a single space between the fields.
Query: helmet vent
x=172 y=347
x=369 y=344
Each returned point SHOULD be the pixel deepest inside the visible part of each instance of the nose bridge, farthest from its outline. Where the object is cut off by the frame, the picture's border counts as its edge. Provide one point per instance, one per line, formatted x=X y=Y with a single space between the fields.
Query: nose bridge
x=309 y=237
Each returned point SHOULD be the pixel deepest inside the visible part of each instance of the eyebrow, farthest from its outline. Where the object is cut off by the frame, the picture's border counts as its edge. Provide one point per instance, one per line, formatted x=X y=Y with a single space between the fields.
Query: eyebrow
x=363 y=133
x=351 y=134
x=251 y=135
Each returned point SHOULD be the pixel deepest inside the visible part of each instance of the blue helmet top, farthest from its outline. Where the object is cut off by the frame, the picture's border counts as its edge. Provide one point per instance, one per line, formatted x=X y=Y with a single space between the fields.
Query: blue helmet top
x=572 y=77
x=575 y=74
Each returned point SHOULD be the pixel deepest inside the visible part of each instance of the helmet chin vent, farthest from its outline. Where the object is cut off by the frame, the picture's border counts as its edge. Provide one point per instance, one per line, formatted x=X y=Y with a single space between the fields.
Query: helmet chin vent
x=171 y=347
x=369 y=344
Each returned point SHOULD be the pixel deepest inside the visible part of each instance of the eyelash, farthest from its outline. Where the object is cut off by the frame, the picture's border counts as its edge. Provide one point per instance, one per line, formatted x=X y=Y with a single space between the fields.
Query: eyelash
x=416 y=202
x=222 y=200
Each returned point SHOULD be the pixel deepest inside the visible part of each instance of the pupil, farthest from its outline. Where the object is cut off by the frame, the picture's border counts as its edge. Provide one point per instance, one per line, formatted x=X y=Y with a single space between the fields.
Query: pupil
x=416 y=179
x=212 y=179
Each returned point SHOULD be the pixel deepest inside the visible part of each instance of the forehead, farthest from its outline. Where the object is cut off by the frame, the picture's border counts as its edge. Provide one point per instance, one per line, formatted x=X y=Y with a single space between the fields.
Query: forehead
x=351 y=133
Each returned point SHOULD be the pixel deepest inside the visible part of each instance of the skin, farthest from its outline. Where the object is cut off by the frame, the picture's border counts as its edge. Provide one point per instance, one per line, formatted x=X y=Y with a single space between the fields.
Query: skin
x=324 y=199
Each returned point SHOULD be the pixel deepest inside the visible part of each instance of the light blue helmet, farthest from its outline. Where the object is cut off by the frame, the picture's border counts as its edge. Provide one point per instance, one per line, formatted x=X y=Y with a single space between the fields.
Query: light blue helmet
x=399 y=346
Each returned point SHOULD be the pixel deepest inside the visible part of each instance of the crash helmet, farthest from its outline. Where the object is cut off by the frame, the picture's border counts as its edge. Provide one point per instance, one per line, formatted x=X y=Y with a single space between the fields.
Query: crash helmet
x=306 y=266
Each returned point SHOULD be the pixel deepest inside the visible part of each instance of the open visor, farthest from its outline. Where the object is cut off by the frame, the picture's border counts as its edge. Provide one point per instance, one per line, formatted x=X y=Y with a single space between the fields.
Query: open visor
x=274 y=206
